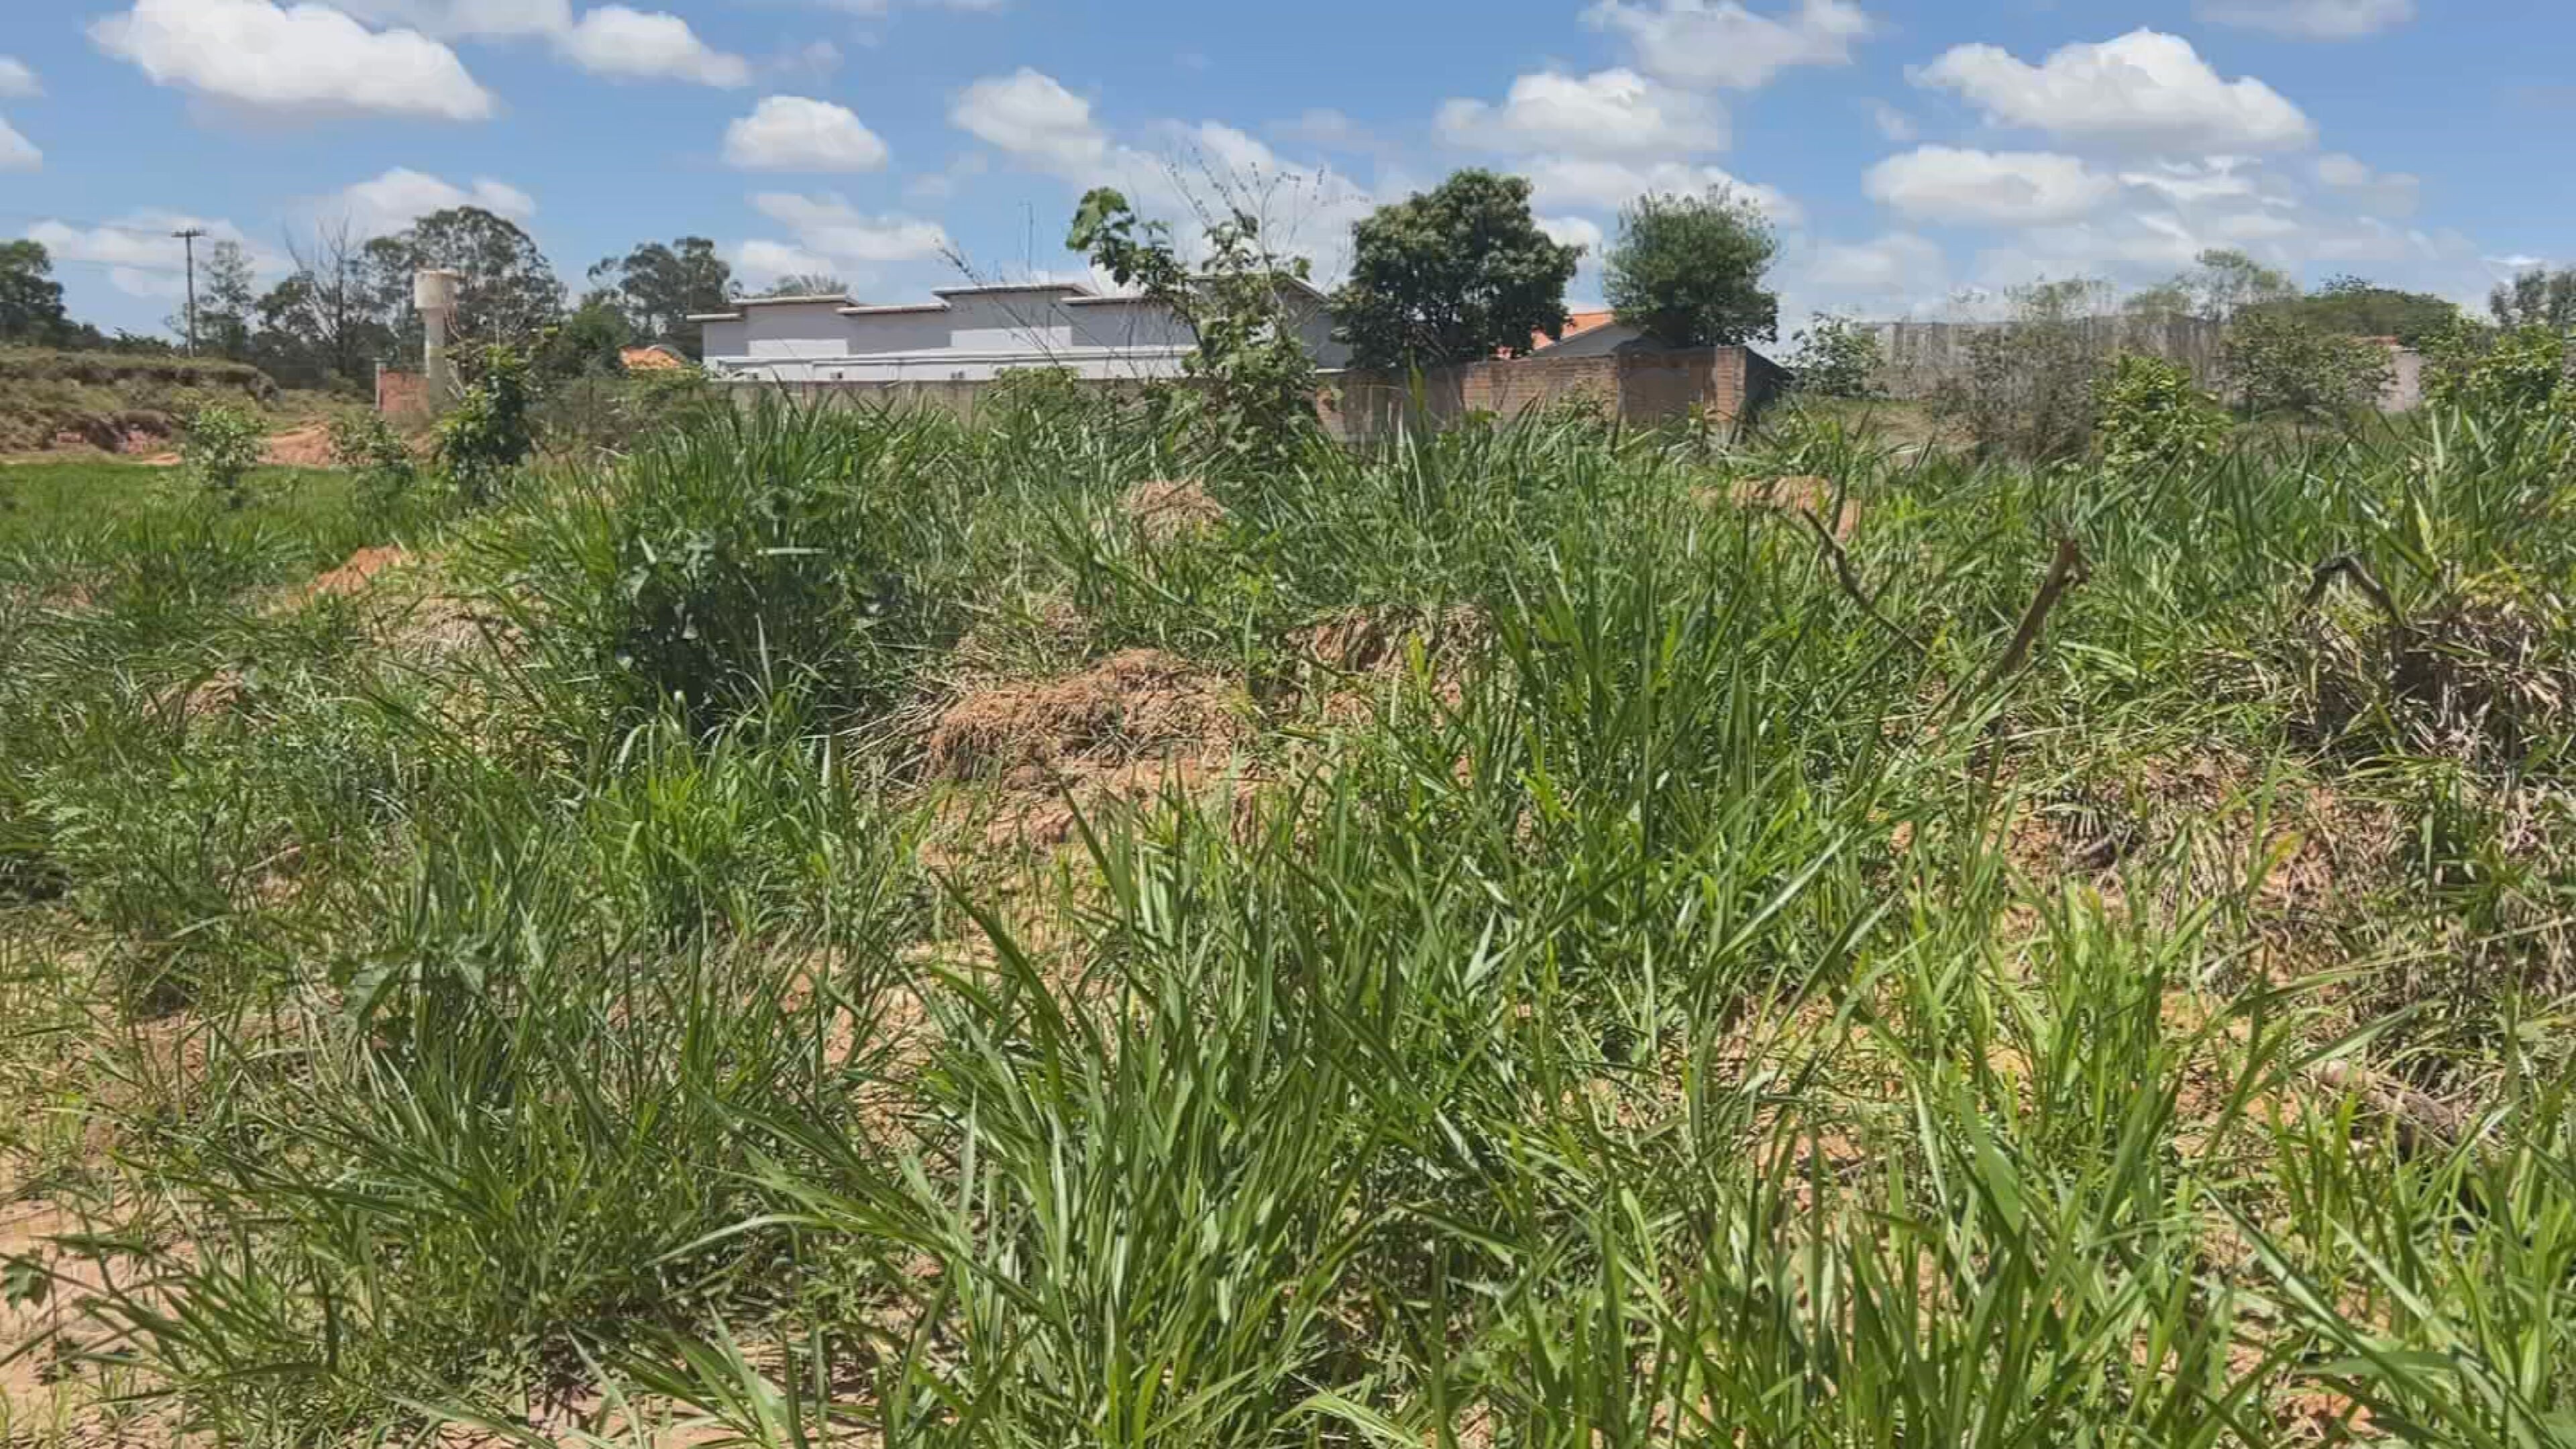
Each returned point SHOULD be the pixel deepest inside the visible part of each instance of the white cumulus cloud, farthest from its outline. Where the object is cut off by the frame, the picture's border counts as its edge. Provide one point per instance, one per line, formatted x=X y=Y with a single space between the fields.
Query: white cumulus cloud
x=638 y=45
x=1898 y=264
x=17 y=153
x=794 y=133
x=829 y=228
x=1586 y=183
x=386 y=204
x=2311 y=19
x=2144 y=90
x=17 y=81
x=2389 y=193
x=1607 y=113
x=306 y=59
x=1721 y=43
x=616 y=41
x=1580 y=231
x=1031 y=118
x=142 y=254
x=758 y=265
x=2007 y=188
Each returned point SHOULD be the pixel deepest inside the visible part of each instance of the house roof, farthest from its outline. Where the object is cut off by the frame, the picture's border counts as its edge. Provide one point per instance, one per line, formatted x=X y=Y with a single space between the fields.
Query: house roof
x=655 y=358
x=1576 y=324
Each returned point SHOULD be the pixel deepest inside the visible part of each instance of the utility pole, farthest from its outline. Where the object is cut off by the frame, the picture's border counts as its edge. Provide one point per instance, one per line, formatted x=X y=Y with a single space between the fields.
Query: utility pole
x=188 y=236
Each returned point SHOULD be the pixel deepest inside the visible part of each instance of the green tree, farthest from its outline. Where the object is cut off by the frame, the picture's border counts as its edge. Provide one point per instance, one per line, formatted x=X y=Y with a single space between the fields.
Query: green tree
x=2278 y=362
x=1451 y=275
x=1257 y=381
x=661 y=287
x=2353 y=307
x=588 y=341
x=1838 y=357
x=327 y=321
x=31 y=301
x=509 y=296
x=1687 y=270
x=2228 y=282
x=808 y=284
x=227 y=302
x=2536 y=298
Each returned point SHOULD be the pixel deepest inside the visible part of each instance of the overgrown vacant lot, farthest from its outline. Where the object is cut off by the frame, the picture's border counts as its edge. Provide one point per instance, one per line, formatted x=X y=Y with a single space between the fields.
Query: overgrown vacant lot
x=847 y=929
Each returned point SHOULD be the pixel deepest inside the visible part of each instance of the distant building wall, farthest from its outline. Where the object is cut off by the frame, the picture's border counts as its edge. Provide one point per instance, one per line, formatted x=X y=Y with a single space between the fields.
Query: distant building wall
x=1639 y=386
x=1726 y=384
x=1922 y=356
x=2405 y=390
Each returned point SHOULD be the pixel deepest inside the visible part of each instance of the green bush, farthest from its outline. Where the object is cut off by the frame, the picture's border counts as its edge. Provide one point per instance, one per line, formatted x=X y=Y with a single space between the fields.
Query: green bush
x=490 y=432
x=2153 y=419
x=365 y=445
x=223 y=445
x=725 y=562
x=2279 y=364
x=2029 y=386
x=2518 y=373
x=1837 y=357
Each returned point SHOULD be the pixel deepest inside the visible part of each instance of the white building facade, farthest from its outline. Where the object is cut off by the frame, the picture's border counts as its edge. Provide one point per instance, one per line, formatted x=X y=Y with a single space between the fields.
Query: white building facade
x=969 y=334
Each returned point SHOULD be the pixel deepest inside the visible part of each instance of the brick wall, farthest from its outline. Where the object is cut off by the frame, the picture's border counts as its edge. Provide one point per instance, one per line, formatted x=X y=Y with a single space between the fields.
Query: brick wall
x=401 y=394
x=1638 y=386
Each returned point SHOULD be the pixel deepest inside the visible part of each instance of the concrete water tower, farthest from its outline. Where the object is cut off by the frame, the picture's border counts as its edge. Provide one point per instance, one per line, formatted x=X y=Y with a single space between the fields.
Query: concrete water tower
x=434 y=293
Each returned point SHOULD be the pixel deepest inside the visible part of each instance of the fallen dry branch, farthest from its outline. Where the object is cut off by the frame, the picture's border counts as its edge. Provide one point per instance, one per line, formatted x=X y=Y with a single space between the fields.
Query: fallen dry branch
x=1850 y=581
x=2066 y=572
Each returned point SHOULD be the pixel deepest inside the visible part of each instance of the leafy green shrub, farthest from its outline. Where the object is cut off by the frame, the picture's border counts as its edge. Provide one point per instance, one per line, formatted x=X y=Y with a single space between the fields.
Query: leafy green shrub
x=2153 y=419
x=490 y=432
x=224 y=444
x=1837 y=357
x=366 y=445
x=725 y=562
x=598 y=413
x=1255 y=400
x=2278 y=363
x=2520 y=372
x=2029 y=385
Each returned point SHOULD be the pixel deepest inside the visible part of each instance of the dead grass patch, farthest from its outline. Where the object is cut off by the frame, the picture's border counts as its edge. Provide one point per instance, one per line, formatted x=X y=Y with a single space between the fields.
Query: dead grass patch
x=1121 y=732
x=1171 y=510
x=1795 y=496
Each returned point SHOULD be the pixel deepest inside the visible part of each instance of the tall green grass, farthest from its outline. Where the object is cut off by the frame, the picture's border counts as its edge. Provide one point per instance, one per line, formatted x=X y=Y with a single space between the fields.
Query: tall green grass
x=1676 y=1008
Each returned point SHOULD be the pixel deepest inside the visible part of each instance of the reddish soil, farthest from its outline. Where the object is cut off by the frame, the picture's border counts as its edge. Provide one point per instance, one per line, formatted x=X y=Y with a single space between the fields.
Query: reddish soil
x=305 y=447
x=356 y=575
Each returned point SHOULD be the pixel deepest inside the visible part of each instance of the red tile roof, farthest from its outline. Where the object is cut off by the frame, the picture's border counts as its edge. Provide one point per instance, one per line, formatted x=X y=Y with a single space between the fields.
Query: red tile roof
x=1576 y=324
x=651 y=359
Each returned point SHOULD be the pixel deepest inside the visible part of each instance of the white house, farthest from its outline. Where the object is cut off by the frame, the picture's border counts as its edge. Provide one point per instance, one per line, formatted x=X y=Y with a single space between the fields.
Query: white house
x=969 y=334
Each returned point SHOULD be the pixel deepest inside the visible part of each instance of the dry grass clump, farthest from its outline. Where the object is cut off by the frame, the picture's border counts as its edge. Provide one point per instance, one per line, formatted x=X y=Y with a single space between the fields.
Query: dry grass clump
x=1118 y=733
x=1134 y=703
x=1171 y=510
x=1801 y=496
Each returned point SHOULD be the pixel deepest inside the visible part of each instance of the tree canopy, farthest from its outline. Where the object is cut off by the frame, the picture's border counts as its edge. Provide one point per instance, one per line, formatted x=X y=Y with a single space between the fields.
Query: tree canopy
x=659 y=287
x=808 y=284
x=510 y=293
x=2537 y=298
x=31 y=301
x=1453 y=274
x=1687 y=270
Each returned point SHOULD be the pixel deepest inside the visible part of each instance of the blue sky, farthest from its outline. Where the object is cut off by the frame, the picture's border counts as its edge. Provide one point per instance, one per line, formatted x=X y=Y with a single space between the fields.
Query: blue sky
x=1907 y=149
